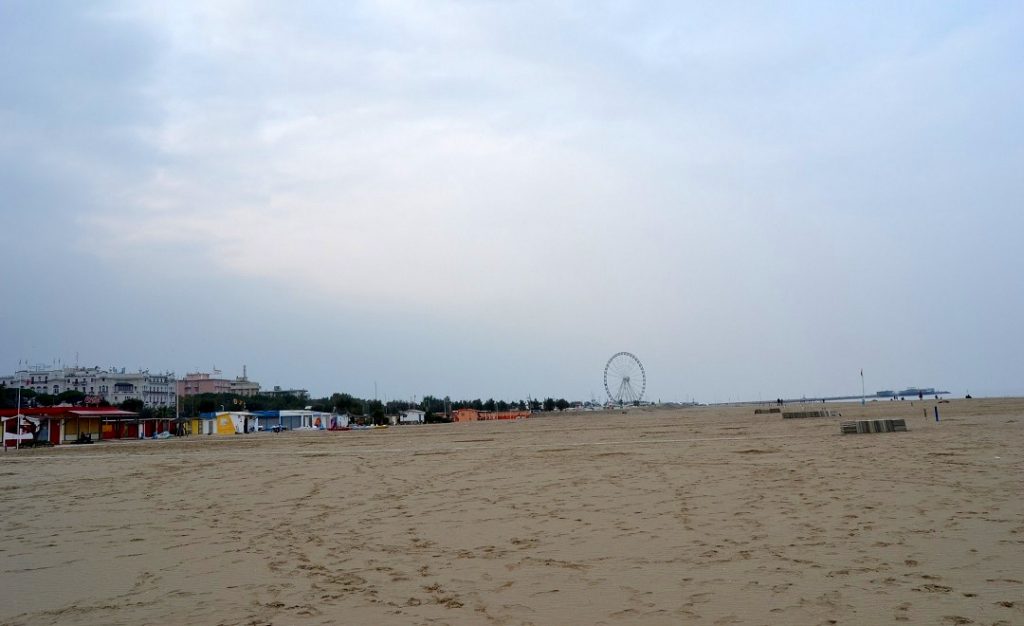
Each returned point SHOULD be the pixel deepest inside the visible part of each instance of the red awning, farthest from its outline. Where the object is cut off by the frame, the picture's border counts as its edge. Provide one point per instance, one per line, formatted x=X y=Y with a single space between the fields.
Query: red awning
x=94 y=413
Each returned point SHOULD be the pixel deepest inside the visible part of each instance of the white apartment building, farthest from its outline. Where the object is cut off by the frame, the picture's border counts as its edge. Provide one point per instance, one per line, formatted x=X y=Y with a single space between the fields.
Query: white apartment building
x=113 y=385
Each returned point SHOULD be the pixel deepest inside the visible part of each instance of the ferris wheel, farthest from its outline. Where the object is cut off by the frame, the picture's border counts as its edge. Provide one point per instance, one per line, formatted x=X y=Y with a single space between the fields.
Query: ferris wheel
x=624 y=379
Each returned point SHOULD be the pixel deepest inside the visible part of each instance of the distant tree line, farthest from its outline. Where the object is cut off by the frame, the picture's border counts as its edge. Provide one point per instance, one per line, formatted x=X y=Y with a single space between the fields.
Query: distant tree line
x=435 y=409
x=29 y=397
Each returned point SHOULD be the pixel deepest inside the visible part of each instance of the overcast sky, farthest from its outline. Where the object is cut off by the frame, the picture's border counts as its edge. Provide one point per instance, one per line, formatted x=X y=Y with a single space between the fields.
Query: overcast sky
x=489 y=199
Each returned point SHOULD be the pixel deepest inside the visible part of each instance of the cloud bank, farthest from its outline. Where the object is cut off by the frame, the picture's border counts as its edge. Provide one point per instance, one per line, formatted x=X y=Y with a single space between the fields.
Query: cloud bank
x=489 y=199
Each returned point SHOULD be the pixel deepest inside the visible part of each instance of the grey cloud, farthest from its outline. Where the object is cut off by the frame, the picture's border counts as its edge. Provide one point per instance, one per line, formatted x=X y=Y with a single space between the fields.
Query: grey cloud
x=754 y=199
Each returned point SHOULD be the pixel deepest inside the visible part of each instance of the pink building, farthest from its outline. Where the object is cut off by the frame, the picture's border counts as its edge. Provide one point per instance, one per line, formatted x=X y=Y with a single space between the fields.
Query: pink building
x=196 y=383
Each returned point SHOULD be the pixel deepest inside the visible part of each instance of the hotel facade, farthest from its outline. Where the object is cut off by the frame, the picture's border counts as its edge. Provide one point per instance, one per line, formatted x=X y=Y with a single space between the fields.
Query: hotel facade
x=112 y=385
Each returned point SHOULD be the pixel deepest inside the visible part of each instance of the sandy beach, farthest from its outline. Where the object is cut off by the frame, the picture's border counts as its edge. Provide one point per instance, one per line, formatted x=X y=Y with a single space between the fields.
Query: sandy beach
x=708 y=515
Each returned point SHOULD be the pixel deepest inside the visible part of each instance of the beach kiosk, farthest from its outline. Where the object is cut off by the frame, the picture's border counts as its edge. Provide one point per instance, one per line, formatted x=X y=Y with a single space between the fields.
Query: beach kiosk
x=234 y=423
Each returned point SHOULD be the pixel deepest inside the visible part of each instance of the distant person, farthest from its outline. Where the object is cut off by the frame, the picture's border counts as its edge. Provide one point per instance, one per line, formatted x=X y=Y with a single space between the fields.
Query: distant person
x=920 y=395
x=967 y=397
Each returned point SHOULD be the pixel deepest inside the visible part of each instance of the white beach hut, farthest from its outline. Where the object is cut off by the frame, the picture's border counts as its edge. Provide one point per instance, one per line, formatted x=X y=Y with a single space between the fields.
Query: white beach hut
x=411 y=416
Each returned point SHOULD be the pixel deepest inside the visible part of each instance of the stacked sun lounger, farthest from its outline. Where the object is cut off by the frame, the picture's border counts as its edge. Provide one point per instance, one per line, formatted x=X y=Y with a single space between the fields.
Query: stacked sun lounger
x=873 y=426
x=801 y=414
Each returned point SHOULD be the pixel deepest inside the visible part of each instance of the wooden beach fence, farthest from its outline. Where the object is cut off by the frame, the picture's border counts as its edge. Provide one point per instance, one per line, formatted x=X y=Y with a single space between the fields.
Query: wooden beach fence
x=769 y=410
x=873 y=426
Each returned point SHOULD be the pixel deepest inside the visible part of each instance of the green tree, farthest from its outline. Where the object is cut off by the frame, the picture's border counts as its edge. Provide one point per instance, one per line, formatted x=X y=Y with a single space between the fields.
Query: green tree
x=46 y=399
x=10 y=399
x=257 y=403
x=430 y=404
x=549 y=404
x=562 y=404
x=71 y=396
x=345 y=403
x=132 y=404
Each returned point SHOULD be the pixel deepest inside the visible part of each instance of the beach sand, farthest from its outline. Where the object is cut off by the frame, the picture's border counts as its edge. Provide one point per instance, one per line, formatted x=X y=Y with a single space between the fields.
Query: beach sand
x=709 y=515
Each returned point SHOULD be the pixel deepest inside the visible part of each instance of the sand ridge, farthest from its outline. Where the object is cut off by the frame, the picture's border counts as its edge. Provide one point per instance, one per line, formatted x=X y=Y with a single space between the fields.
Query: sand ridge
x=707 y=515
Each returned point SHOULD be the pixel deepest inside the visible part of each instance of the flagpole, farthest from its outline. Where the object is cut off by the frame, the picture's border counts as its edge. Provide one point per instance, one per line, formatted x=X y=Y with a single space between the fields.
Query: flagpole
x=862 y=386
x=17 y=442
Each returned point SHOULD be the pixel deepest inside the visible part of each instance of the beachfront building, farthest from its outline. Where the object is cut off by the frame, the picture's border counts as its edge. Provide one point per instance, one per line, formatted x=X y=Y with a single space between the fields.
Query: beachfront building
x=203 y=425
x=475 y=415
x=224 y=423
x=196 y=383
x=59 y=424
x=98 y=384
x=302 y=394
x=412 y=416
x=294 y=420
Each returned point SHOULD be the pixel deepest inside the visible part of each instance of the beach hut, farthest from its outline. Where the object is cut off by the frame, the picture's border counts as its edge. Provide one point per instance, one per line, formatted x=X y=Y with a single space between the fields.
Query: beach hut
x=473 y=415
x=233 y=423
x=61 y=424
x=267 y=420
x=304 y=420
x=89 y=422
x=465 y=415
x=124 y=425
x=17 y=429
x=204 y=424
x=319 y=420
x=412 y=416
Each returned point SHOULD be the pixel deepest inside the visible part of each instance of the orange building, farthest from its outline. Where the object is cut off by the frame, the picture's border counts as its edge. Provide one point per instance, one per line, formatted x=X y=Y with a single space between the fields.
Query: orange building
x=473 y=415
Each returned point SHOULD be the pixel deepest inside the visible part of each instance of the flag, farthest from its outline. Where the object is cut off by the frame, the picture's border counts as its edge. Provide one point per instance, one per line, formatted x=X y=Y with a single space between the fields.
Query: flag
x=862 y=372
